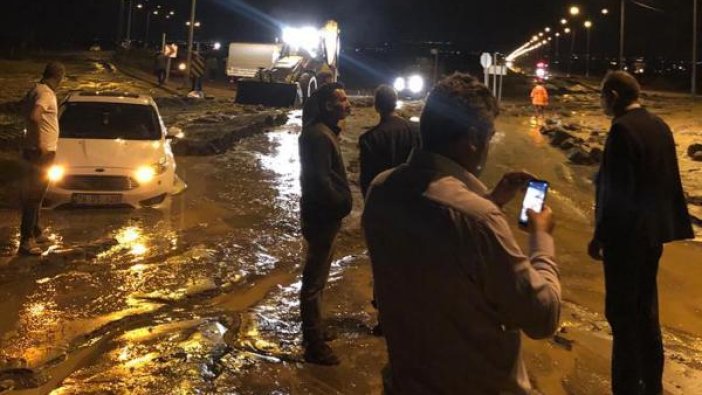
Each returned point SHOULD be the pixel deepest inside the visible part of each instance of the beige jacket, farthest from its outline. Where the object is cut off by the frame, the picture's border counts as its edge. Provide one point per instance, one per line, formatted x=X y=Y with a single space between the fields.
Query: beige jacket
x=453 y=288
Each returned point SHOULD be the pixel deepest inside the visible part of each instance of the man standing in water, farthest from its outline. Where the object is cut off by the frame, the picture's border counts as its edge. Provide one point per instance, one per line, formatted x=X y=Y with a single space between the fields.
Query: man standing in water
x=326 y=200
x=639 y=206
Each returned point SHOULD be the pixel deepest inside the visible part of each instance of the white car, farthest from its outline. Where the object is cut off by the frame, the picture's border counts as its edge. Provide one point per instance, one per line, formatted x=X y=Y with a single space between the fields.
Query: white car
x=113 y=150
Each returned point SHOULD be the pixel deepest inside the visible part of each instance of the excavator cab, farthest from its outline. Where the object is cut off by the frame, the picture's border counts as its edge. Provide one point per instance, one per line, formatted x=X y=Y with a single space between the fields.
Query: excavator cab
x=307 y=53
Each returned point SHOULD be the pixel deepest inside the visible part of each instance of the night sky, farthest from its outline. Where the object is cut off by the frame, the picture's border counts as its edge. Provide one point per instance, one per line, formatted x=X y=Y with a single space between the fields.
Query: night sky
x=487 y=25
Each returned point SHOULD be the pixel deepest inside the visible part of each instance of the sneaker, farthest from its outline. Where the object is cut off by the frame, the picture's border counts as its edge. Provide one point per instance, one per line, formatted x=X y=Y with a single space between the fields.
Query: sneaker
x=321 y=354
x=29 y=247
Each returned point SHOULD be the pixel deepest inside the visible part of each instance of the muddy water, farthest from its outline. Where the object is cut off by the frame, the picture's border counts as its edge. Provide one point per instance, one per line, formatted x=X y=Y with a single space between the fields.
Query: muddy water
x=201 y=296
x=145 y=300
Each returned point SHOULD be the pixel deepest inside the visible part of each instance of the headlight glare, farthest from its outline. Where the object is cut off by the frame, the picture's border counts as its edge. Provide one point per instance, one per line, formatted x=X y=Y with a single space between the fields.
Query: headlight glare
x=399 y=84
x=145 y=174
x=416 y=83
x=56 y=173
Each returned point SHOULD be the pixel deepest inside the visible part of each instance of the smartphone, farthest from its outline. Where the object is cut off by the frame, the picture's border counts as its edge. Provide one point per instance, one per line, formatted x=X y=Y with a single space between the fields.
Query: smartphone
x=534 y=199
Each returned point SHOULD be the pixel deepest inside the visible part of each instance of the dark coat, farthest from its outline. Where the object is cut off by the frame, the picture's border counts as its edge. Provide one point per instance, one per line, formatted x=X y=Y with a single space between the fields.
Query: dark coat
x=326 y=196
x=387 y=145
x=639 y=192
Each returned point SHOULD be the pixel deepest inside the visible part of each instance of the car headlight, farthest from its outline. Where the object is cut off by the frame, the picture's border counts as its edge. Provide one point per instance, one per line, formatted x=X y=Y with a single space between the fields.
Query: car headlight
x=56 y=173
x=416 y=84
x=145 y=174
x=182 y=66
x=399 y=84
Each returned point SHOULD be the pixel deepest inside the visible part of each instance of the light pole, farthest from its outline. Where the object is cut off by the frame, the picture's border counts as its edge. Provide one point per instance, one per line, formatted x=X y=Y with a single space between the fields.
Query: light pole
x=574 y=11
x=588 y=27
x=558 y=39
x=191 y=32
x=129 y=22
x=694 y=47
x=621 y=33
x=120 y=21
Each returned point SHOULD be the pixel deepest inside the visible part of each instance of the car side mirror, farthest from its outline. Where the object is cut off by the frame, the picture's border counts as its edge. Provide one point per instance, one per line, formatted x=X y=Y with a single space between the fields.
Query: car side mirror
x=174 y=132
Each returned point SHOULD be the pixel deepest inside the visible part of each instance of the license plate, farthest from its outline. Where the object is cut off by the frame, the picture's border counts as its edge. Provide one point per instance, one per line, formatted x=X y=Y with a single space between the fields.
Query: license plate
x=96 y=199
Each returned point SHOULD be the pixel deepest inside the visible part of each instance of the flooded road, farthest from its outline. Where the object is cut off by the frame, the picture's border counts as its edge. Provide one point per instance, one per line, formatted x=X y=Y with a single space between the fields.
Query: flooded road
x=201 y=296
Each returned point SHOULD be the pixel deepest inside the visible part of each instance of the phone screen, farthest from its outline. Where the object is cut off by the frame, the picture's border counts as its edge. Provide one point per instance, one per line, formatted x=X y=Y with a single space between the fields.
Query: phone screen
x=533 y=199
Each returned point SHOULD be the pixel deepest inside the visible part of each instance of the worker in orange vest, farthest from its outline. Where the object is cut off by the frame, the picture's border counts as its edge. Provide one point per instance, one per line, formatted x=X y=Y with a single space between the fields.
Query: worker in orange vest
x=539 y=98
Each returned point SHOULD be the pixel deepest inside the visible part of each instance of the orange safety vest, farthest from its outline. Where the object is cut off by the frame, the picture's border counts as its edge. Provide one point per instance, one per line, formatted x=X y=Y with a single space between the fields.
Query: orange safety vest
x=539 y=96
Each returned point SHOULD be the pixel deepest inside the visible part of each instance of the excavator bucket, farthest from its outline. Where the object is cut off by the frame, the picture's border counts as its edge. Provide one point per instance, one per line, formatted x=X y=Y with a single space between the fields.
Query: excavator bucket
x=270 y=94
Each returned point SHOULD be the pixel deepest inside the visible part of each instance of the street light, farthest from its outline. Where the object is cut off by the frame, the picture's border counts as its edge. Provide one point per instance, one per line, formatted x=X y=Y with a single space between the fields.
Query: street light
x=588 y=26
x=547 y=30
x=574 y=12
x=564 y=21
x=566 y=30
x=605 y=11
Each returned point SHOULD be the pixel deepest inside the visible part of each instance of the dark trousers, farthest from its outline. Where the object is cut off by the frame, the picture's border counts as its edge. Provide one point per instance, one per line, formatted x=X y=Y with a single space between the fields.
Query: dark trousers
x=161 y=75
x=196 y=83
x=631 y=307
x=33 y=190
x=320 y=244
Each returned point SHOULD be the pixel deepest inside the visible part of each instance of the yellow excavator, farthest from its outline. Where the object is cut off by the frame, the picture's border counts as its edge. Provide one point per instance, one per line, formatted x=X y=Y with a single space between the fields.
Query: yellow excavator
x=286 y=73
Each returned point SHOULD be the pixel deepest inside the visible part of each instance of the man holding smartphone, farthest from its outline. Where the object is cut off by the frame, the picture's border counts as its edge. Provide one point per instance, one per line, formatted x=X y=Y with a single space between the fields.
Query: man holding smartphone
x=639 y=206
x=453 y=287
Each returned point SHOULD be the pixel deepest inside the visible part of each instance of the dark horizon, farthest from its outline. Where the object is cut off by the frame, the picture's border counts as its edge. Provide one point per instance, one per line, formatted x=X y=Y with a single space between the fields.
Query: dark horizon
x=491 y=26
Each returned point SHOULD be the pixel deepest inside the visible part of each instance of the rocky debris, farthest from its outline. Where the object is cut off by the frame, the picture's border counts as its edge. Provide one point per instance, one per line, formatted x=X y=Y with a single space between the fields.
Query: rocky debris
x=694 y=151
x=579 y=156
x=214 y=137
x=566 y=137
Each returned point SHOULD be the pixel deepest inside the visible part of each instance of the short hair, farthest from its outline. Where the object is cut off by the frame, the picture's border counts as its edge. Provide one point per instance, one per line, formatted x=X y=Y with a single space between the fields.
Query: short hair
x=54 y=70
x=315 y=105
x=624 y=84
x=325 y=94
x=458 y=106
x=385 y=99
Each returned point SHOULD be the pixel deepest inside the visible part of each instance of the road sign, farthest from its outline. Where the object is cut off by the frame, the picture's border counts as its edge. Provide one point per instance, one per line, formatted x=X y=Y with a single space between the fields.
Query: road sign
x=485 y=60
x=497 y=70
x=171 y=50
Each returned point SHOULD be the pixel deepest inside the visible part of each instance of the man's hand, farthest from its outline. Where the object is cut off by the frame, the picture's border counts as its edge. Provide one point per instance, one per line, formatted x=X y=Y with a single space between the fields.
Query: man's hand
x=594 y=249
x=540 y=222
x=508 y=187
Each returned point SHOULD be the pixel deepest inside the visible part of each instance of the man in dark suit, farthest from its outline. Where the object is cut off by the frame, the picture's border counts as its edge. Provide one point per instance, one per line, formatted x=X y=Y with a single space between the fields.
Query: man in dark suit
x=389 y=143
x=639 y=206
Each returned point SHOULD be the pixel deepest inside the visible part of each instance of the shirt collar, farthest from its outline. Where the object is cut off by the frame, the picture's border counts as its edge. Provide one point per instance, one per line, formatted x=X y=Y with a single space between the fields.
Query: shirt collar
x=445 y=166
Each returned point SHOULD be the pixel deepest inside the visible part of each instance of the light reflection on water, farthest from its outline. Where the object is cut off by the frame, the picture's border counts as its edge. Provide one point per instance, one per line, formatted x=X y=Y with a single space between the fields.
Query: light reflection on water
x=284 y=161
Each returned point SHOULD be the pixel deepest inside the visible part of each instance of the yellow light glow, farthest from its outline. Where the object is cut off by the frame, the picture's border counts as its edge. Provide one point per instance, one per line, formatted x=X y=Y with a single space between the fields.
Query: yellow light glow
x=574 y=10
x=564 y=21
x=128 y=235
x=56 y=173
x=145 y=174
x=138 y=249
x=605 y=11
x=588 y=24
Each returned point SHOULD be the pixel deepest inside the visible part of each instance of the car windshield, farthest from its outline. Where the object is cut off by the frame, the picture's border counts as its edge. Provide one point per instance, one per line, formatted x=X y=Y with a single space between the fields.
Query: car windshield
x=109 y=121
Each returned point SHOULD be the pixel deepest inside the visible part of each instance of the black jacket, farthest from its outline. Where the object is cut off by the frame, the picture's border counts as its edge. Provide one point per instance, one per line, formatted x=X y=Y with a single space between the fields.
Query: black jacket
x=326 y=196
x=385 y=146
x=639 y=192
